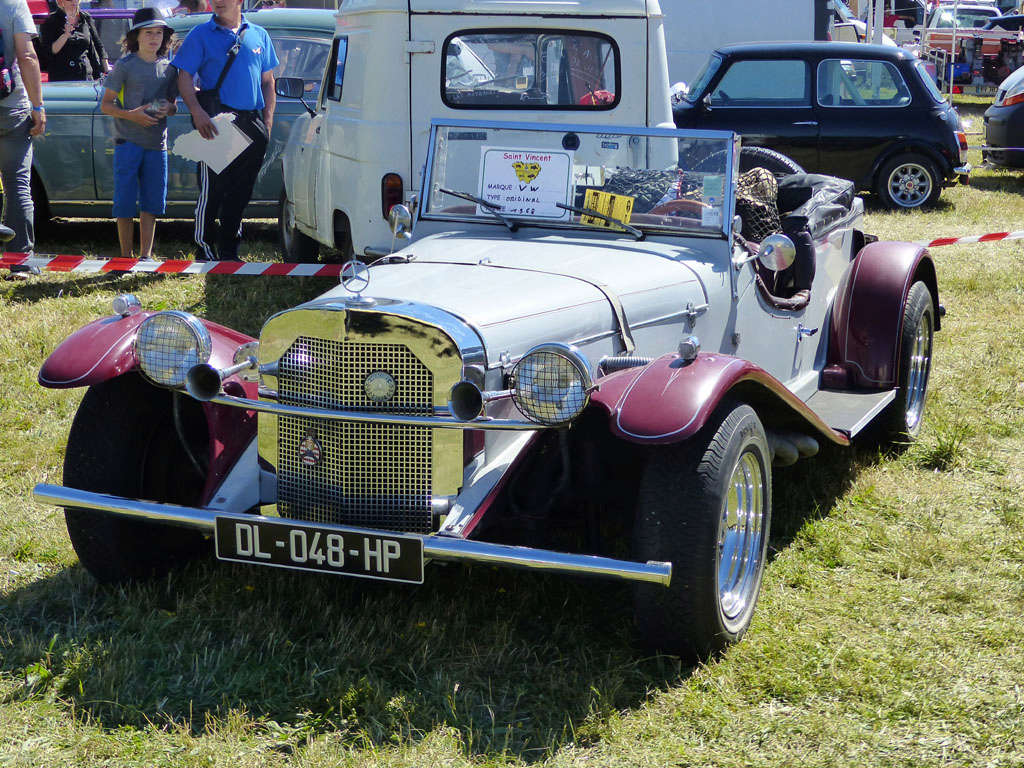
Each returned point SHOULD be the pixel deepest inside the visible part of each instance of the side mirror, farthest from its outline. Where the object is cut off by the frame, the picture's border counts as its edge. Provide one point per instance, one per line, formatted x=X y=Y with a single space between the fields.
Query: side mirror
x=706 y=101
x=400 y=221
x=776 y=253
x=289 y=87
x=292 y=88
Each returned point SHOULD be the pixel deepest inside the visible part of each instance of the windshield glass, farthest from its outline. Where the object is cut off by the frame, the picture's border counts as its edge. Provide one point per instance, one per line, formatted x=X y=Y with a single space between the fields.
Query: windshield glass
x=973 y=17
x=619 y=179
x=710 y=67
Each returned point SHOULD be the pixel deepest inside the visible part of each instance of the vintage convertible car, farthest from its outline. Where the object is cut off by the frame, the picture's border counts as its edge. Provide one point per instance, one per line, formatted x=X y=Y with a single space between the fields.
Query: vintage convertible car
x=580 y=343
x=73 y=164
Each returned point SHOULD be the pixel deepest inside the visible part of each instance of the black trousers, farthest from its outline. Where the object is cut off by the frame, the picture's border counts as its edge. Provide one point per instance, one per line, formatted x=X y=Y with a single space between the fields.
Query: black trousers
x=225 y=195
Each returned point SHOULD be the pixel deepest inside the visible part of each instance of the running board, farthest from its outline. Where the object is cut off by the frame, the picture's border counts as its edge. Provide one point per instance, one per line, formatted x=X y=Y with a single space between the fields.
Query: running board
x=849 y=411
x=434 y=547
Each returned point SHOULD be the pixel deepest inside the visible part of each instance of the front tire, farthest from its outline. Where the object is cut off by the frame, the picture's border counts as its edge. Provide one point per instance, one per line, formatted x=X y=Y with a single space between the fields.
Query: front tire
x=908 y=181
x=124 y=442
x=296 y=246
x=705 y=506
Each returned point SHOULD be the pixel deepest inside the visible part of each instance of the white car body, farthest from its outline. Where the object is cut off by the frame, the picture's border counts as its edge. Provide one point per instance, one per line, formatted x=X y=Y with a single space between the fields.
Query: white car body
x=337 y=157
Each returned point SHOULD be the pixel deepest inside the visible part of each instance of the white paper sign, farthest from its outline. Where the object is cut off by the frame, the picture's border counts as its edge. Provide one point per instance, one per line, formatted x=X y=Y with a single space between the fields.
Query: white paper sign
x=526 y=182
x=217 y=152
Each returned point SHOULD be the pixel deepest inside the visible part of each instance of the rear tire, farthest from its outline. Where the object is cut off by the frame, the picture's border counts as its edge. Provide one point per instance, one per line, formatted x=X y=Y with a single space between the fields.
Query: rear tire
x=704 y=506
x=908 y=181
x=123 y=442
x=903 y=418
x=296 y=246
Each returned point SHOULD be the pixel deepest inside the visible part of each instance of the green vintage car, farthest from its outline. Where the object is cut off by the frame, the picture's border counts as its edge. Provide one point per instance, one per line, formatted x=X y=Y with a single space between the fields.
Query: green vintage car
x=72 y=171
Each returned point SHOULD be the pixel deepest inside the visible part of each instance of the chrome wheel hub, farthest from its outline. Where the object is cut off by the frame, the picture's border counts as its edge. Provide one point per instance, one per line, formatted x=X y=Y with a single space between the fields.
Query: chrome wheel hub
x=741 y=548
x=910 y=185
x=917 y=375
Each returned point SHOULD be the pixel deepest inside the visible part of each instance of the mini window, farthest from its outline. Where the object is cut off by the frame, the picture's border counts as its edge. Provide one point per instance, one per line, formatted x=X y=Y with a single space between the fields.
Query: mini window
x=336 y=75
x=861 y=83
x=763 y=83
x=530 y=69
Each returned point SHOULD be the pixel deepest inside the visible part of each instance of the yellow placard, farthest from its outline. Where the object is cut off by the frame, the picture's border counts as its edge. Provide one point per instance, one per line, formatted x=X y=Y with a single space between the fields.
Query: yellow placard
x=617 y=206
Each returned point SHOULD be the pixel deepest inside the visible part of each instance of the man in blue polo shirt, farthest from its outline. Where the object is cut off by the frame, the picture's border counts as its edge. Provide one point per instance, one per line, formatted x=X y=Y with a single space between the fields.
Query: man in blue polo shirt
x=247 y=89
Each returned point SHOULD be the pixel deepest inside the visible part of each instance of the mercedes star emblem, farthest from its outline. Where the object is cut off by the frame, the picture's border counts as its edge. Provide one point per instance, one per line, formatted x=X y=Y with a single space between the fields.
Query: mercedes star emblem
x=355 y=276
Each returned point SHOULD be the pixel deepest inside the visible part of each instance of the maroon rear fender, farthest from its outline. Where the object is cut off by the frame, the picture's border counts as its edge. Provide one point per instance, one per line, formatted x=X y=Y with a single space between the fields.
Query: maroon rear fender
x=865 y=330
x=105 y=349
x=669 y=401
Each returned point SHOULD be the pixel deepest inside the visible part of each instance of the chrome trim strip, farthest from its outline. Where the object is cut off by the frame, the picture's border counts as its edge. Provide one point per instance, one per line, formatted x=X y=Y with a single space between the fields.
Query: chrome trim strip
x=375 y=417
x=434 y=547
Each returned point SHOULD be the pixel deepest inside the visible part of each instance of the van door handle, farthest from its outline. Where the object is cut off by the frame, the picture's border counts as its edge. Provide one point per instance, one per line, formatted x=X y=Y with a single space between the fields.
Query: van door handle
x=807 y=122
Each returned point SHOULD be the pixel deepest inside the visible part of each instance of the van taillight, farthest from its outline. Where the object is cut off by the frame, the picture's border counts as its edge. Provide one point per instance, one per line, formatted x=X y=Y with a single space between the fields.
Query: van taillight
x=961 y=138
x=390 y=192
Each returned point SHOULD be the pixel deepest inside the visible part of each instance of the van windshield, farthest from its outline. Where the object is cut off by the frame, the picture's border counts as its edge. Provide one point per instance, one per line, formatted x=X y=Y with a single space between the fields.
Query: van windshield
x=548 y=69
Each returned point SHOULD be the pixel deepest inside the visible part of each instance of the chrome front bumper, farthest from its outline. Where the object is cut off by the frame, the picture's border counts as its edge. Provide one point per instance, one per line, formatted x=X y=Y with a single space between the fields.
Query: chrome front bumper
x=434 y=547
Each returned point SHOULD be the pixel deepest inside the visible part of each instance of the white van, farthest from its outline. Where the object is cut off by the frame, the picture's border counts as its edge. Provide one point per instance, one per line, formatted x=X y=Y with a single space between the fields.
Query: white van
x=397 y=64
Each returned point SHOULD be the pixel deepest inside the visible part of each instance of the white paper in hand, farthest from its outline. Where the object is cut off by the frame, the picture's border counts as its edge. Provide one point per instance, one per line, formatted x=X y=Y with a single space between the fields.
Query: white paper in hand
x=217 y=152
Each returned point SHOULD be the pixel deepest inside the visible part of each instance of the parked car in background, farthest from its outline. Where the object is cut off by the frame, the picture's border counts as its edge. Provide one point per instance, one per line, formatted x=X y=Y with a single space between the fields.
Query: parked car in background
x=1004 y=124
x=962 y=15
x=867 y=113
x=577 y=353
x=363 y=145
x=1014 y=23
x=72 y=169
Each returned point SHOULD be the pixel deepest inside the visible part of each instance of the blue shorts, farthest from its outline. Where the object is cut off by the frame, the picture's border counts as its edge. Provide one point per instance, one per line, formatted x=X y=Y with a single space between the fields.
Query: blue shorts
x=140 y=180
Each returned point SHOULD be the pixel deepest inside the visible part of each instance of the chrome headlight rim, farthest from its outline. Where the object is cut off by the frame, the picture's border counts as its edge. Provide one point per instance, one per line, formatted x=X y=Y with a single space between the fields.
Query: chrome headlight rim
x=582 y=368
x=202 y=346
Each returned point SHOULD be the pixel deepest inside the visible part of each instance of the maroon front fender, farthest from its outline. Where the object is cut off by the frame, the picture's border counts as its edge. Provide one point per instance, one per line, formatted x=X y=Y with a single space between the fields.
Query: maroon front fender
x=669 y=401
x=105 y=349
x=867 y=316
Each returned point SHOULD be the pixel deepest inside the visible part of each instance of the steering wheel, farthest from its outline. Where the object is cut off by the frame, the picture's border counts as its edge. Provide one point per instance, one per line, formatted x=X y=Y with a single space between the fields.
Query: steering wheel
x=679 y=207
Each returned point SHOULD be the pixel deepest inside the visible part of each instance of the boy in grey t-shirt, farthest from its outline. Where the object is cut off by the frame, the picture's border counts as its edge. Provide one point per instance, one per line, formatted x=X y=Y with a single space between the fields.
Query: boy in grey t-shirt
x=140 y=93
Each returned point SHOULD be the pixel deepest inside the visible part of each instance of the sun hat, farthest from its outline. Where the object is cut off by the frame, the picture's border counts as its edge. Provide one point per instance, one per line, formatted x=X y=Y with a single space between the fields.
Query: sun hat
x=147 y=17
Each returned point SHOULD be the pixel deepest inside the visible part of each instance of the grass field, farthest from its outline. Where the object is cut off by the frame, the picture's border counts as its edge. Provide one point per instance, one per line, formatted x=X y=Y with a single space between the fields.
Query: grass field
x=887 y=632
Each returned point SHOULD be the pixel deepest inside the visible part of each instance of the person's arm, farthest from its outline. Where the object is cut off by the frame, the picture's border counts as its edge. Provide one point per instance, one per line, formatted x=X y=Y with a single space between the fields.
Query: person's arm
x=187 y=89
x=109 y=106
x=269 y=99
x=97 y=42
x=28 y=63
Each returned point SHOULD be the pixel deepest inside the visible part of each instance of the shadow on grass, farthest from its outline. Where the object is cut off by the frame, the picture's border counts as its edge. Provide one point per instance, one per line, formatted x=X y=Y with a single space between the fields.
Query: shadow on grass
x=515 y=663
x=37 y=290
x=999 y=182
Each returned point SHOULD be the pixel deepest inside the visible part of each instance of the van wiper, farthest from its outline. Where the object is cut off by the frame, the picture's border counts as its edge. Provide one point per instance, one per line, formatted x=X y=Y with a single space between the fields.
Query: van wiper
x=638 y=234
x=492 y=208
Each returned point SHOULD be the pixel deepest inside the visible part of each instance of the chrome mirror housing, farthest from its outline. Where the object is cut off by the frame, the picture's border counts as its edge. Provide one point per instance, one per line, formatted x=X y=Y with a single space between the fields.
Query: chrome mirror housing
x=400 y=221
x=776 y=253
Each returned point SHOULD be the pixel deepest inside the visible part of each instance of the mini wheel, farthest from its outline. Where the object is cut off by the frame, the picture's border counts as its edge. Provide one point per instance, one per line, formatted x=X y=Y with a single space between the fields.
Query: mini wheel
x=908 y=181
x=124 y=442
x=904 y=416
x=296 y=246
x=705 y=506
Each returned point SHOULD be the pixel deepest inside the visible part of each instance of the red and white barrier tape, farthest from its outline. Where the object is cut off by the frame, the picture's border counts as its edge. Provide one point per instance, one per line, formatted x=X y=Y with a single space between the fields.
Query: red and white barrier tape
x=84 y=264
x=991 y=237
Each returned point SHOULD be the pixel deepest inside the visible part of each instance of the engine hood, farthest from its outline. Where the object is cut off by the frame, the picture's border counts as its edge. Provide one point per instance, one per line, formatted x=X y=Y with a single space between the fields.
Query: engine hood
x=519 y=293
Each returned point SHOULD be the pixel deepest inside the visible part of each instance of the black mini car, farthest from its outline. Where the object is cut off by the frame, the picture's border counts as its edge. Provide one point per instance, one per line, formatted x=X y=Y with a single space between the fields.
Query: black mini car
x=867 y=113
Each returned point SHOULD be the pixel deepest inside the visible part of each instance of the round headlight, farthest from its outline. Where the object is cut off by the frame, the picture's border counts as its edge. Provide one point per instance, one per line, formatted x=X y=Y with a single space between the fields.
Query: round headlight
x=551 y=384
x=168 y=344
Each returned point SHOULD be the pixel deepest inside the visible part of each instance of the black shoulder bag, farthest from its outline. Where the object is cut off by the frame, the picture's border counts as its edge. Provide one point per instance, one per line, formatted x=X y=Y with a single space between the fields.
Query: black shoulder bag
x=209 y=98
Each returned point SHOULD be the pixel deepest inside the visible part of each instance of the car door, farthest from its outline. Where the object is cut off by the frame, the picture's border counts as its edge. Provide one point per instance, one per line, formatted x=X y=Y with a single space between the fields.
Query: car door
x=768 y=102
x=864 y=106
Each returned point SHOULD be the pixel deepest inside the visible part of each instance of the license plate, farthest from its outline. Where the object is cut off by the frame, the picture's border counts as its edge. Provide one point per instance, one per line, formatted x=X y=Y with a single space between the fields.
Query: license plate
x=306 y=547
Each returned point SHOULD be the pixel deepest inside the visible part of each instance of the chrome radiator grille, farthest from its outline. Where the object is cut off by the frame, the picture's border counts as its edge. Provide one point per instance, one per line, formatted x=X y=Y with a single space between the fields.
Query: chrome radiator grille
x=369 y=475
